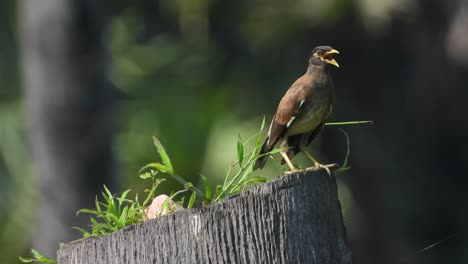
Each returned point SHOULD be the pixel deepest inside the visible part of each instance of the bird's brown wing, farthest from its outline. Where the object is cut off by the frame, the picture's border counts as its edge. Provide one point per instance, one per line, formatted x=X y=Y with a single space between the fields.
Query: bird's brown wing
x=288 y=109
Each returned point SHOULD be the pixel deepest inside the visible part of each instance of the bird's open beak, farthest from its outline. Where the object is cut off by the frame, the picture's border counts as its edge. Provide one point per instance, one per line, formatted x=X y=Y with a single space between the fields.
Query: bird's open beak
x=327 y=57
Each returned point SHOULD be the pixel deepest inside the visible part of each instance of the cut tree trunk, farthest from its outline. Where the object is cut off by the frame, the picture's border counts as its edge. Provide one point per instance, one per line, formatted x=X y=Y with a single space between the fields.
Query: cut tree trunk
x=293 y=219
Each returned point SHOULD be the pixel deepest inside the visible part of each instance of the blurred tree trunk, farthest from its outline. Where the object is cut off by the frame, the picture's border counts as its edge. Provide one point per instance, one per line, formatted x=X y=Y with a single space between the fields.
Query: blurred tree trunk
x=69 y=106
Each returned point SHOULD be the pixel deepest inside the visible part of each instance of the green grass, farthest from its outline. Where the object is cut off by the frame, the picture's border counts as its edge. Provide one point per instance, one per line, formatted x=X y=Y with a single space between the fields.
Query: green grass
x=237 y=177
x=111 y=214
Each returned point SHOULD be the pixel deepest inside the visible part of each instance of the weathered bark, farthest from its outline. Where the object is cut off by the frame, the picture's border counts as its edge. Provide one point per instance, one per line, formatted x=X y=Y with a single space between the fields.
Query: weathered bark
x=294 y=219
x=69 y=107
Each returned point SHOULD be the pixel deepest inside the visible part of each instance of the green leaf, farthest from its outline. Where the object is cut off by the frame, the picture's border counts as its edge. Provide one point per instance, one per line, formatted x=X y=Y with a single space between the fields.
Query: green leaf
x=245 y=175
x=83 y=231
x=181 y=201
x=274 y=151
x=341 y=170
x=108 y=196
x=47 y=260
x=349 y=123
x=163 y=155
x=256 y=135
x=123 y=217
x=262 y=126
x=240 y=151
x=219 y=189
x=172 y=196
x=166 y=205
x=345 y=166
x=121 y=199
x=145 y=175
x=247 y=181
x=186 y=184
x=255 y=180
x=98 y=207
x=87 y=211
x=179 y=179
x=36 y=253
x=157 y=166
x=37 y=258
x=155 y=185
x=192 y=200
x=207 y=189
x=258 y=142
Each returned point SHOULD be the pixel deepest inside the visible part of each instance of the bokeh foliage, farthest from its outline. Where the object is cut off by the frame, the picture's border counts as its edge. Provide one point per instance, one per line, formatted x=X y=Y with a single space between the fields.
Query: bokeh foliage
x=197 y=73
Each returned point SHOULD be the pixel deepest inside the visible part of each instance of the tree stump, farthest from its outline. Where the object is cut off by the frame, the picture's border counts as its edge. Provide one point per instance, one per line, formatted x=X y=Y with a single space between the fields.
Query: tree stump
x=293 y=219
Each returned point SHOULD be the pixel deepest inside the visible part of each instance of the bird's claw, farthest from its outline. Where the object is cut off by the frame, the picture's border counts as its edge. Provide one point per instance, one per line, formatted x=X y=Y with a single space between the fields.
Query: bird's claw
x=291 y=171
x=326 y=167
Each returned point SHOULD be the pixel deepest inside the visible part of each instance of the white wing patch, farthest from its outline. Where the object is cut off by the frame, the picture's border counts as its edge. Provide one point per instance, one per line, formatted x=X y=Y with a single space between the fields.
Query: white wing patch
x=290 y=121
x=294 y=117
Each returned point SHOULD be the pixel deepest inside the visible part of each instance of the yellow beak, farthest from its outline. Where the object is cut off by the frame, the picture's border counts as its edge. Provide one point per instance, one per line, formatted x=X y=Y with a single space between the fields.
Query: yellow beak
x=332 y=51
x=331 y=60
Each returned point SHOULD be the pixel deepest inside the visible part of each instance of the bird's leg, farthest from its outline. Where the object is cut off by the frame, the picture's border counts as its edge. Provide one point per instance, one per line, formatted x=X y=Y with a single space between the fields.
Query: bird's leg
x=288 y=161
x=283 y=152
x=319 y=165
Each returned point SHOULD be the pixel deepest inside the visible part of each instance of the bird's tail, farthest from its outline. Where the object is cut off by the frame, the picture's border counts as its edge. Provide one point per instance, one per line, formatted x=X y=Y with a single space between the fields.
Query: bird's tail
x=260 y=163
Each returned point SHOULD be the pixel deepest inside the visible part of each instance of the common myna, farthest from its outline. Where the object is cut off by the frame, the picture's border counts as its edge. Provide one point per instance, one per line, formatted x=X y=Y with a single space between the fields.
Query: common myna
x=303 y=111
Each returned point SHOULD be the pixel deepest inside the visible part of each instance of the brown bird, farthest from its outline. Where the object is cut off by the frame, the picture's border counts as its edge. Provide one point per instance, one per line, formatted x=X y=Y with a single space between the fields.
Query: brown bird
x=303 y=111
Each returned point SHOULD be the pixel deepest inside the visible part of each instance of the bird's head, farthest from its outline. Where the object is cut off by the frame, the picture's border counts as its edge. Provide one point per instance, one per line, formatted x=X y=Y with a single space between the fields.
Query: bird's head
x=324 y=54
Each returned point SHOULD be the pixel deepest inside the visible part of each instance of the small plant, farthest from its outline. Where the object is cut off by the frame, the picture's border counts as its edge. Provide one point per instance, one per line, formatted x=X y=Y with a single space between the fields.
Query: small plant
x=345 y=166
x=111 y=214
x=37 y=257
x=237 y=176
x=118 y=212
x=239 y=173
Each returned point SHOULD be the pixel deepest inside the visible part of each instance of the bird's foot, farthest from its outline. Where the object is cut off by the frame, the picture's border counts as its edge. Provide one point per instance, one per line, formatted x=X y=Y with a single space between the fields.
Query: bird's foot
x=291 y=171
x=326 y=167
x=288 y=161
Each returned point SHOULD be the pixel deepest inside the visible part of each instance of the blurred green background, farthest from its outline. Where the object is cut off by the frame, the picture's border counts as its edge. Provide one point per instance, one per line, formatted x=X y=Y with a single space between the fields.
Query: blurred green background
x=91 y=82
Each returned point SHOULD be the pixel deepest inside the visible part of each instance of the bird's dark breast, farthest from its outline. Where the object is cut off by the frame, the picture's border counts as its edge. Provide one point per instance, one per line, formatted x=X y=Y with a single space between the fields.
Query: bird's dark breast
x=316 y=110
